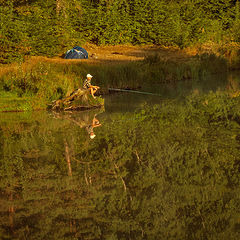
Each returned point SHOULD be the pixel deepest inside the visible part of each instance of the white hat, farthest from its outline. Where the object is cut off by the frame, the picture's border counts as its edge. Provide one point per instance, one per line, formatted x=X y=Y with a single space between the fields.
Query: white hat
x=92 y=136
x=89 y=75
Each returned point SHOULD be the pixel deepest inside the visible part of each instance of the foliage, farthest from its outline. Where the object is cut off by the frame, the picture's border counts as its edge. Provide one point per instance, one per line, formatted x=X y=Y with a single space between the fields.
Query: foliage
x=51 y=27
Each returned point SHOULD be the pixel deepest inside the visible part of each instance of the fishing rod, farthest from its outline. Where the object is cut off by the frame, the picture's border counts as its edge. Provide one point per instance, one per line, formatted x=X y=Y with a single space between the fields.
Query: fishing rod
x=133 y=91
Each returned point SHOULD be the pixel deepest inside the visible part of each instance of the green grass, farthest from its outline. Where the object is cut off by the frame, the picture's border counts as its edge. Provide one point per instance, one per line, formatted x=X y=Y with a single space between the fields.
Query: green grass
x=11 y=102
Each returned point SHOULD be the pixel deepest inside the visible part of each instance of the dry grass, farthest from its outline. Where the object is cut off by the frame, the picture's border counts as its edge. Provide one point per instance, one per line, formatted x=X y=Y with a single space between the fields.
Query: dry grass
x=127 y=53
x=105 y=54
x=230 y=50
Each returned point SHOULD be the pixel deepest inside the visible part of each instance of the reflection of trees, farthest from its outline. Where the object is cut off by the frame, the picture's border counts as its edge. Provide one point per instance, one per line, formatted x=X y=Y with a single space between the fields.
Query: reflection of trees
x=151 y=177
x=233 y=85
x=67 y=155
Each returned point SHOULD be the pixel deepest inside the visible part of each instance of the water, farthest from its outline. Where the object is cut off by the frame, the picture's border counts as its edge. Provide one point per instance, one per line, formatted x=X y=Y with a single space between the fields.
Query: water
x=123 y=102
x=132 y=181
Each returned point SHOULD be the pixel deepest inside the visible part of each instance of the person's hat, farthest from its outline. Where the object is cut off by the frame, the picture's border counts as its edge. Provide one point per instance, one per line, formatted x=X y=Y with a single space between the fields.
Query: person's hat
x=89 y=75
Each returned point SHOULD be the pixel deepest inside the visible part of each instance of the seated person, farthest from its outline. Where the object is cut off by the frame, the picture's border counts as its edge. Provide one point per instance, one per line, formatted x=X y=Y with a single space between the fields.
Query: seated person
x=87 y=85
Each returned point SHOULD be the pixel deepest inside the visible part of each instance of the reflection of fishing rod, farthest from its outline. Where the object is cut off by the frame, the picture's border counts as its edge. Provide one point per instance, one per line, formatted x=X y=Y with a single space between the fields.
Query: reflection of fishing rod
x=133 y=91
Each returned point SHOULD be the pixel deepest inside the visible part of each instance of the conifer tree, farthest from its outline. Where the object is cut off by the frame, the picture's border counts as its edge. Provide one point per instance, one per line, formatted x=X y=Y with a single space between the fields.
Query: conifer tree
x=14 y=40
x=50 y=27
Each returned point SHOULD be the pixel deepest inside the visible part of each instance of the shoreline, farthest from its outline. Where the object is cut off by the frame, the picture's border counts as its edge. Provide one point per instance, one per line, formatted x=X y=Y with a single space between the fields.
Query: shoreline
x=39 y=80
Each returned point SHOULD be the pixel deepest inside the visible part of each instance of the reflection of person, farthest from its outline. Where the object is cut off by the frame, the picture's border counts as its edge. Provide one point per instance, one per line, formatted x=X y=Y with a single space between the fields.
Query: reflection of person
x=85 y=119
x=95 y=123
x=87 y=85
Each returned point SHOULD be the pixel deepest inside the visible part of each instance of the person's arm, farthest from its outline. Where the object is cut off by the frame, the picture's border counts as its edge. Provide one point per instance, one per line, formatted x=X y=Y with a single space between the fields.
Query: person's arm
x=96 y=123
x=95 y=86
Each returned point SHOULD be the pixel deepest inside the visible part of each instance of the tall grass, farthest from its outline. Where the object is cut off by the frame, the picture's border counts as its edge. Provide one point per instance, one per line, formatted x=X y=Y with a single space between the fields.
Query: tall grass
x=178 y=70
x=227 y=51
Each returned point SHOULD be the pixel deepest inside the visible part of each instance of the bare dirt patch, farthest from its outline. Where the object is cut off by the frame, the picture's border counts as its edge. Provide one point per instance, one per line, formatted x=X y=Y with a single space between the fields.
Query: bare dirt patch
x=121 y=53
x=133 y=53
x=107 y=54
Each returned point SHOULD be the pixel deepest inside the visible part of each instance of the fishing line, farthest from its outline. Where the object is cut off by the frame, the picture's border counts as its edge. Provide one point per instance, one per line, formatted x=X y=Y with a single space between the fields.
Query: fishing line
x=133 y=91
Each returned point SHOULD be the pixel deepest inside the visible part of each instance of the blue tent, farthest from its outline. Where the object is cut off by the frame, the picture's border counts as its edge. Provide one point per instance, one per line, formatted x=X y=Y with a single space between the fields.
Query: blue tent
x=76 y=53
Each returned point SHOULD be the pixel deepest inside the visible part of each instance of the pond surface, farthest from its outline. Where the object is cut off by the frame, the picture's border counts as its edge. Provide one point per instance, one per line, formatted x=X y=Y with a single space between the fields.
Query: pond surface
x=154 y=94
x=133 y=180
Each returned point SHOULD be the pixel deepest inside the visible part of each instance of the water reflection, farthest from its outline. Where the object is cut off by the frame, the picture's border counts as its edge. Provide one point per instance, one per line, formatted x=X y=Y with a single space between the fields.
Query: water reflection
x=85 y=119
x=89 y=128
x=233 y=86
x=122 y=102
x=132 y=181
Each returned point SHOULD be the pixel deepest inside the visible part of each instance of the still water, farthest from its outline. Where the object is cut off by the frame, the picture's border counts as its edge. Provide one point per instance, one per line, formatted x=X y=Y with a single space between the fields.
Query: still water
x=128 y=182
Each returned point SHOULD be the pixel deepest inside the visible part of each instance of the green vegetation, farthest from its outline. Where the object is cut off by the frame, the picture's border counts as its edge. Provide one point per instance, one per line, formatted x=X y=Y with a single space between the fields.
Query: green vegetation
x=50 y=27
x=169 y=171
x=165 y=172
x=35 y=86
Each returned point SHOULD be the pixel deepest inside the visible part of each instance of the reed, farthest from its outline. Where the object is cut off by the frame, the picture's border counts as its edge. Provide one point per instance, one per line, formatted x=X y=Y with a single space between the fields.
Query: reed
x=165 y=71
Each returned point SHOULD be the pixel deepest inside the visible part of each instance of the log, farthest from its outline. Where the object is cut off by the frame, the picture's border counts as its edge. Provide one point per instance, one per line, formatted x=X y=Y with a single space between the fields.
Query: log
x=80 y=99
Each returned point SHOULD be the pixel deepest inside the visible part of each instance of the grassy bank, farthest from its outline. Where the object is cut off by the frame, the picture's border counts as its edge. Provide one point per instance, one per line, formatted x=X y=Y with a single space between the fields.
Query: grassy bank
x=35 y=84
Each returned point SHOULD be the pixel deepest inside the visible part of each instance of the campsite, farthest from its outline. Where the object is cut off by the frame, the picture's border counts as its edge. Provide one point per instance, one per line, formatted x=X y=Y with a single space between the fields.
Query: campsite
x=119 y=119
